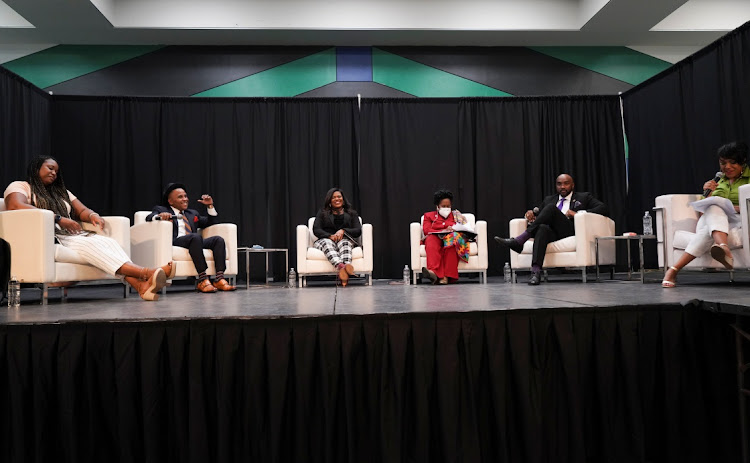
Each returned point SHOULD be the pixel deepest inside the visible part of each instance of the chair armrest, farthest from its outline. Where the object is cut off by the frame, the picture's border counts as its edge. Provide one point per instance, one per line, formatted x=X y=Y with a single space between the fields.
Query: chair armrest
x=482 y=250
x=31 y=235
x=588 y=226
x=151 y=243
x=228 y=231
x=115 y=227
x=415 y=241
x=744 y=192
x=367 y=246
x=516 y=227
x=303 y=235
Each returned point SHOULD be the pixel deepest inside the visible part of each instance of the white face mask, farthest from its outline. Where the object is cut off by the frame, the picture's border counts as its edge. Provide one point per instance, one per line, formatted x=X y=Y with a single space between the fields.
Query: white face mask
x=444 y=212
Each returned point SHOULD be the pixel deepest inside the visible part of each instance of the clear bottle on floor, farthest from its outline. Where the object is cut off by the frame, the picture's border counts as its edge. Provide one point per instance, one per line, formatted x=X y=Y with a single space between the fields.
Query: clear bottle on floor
x=292 y=278
x=506 y=273
x=648 y=227
x=14 y=293
x=407 y=275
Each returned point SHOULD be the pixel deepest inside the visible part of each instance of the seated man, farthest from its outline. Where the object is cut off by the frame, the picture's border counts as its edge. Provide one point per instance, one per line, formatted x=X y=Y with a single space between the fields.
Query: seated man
x=184 y=234
x=552 y=221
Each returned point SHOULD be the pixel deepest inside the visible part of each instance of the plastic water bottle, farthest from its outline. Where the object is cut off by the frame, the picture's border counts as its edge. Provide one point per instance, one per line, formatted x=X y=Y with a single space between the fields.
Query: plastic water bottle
x=14 y=293
x=648 y=228
x=506 y=273
x=407 y=275
x=292 y=278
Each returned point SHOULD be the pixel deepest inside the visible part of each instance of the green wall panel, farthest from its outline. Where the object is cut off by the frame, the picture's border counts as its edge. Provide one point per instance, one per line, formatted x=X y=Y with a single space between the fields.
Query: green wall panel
x=423 y=81
x=289 y=79
x=620 y=63
x=64 y=62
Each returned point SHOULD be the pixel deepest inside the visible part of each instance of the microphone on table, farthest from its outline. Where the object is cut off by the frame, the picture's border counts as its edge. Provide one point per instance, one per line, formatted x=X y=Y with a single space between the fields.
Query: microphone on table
x=719 y=176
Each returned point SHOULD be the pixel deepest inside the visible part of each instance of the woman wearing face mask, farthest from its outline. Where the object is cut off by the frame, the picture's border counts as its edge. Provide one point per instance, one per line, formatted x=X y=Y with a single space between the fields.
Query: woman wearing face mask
x=443 y=246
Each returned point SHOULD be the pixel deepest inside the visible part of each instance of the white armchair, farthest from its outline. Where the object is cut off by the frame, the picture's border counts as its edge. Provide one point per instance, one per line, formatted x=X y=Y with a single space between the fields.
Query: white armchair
x=478 y=253
x=675 y=226
x=35 y=258
x=577 y=251
x=151 y=246
x=311 y=261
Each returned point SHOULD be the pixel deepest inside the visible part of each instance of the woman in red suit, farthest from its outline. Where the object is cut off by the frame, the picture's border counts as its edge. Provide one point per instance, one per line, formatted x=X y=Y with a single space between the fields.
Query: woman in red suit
x=442 y=245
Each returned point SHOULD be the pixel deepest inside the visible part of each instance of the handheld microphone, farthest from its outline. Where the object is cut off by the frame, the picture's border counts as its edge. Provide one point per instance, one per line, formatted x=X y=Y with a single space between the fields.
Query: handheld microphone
x=172 y=217
x=535 y=211
x=719 y=176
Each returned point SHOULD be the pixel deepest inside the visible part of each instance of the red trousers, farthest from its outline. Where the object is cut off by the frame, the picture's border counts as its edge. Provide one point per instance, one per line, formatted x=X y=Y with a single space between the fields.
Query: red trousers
x=441 y=260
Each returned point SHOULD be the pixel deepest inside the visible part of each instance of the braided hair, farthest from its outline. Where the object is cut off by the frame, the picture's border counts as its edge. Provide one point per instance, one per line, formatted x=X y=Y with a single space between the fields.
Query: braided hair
x=52 y=197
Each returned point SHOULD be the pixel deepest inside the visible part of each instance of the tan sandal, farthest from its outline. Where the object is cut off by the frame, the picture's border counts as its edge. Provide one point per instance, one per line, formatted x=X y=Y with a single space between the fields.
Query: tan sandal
x=720 y=255
x=669 y=283
x=169 y=270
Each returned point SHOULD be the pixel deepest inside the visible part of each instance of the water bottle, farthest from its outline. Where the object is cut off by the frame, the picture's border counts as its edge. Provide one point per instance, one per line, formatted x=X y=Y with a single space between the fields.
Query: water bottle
x=292 y=278
x=14 y=293
x=506 y=273
x=407 y=275
x=648 y=228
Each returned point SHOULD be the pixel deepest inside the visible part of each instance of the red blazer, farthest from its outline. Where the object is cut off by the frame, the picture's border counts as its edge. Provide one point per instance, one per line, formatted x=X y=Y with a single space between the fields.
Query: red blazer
x=432 y=222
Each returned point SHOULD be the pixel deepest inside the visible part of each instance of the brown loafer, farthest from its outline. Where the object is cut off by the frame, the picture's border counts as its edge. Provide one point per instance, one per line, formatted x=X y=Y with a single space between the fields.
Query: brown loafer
x=343 y=276
x=205 y=286
x=223 y=285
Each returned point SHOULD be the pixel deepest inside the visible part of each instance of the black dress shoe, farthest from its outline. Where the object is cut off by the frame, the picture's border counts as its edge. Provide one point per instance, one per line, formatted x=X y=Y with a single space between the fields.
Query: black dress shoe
x=511 y=243
x=536 y=278
x=430 y=275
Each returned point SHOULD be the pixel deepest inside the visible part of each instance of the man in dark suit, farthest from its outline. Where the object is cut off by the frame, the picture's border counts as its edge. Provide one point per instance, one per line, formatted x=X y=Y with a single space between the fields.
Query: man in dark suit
x=553 y=221
x=186 y=223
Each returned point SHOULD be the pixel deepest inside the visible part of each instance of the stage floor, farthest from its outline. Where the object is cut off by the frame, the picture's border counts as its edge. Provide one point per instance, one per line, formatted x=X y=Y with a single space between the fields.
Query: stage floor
x=102 y=303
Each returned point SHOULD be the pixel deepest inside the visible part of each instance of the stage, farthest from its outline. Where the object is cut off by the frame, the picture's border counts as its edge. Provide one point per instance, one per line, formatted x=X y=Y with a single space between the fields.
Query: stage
x=612 y=371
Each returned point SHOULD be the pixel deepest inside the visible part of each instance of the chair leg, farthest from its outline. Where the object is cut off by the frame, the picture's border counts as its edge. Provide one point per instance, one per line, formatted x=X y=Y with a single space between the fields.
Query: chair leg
x=484 y=277
x=64 y=294
x=126 y=289
x=583 y=274
x=369 y=279
x=546 y=276
x=513 y=277
x=45 y=293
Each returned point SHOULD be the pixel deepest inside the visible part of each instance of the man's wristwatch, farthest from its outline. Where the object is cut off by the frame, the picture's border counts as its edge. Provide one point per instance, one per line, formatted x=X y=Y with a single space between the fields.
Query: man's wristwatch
x=57 y=218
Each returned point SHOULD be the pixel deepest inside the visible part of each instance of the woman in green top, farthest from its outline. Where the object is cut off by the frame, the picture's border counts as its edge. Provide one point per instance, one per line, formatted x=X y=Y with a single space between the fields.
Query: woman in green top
x=713 y=226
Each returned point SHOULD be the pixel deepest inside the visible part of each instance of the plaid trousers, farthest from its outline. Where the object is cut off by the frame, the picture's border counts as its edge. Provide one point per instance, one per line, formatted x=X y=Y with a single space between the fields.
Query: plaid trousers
x=336 y=253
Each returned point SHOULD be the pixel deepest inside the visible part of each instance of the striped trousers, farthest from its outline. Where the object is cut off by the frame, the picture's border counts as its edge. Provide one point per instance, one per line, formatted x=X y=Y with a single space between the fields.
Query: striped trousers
x=99 y=251
x=336 y=252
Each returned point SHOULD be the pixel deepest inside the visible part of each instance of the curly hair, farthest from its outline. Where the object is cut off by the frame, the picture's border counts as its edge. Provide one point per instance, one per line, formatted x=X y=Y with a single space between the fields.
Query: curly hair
x=52 y=197
x=735 y=151
x=441 y=195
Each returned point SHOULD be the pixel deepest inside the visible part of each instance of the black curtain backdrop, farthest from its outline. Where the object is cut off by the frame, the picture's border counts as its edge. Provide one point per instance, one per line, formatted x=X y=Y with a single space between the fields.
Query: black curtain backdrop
x=500 y=157
x=676 y=121
x=24 y=125
x=653 y=384
x=267 y=162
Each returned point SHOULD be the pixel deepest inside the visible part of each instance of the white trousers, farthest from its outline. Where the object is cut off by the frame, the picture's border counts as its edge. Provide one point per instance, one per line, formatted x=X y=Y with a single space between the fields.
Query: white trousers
x=714 y=219
x=98 y=250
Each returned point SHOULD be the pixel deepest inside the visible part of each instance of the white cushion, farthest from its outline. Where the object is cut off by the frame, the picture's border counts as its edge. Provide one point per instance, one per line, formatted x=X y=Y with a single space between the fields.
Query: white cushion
x=317 y=254
x=472 y=250
x=682 y=238
x=564 y=245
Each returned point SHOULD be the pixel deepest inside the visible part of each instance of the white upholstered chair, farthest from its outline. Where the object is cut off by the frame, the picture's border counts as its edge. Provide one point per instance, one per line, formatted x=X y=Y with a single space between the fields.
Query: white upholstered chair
x=35 y=258
x=151 y=246
x=478 y=253
x=311 y=261
x=577 y=251
x=675 y=226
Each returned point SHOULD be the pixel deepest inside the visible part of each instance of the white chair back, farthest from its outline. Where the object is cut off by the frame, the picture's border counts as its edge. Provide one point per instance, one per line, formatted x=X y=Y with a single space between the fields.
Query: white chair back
x=140 y=217
x=2 y=205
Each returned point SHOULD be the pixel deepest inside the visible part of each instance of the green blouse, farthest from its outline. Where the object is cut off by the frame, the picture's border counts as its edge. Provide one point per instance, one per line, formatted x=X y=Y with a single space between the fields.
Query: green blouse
x=731 y=191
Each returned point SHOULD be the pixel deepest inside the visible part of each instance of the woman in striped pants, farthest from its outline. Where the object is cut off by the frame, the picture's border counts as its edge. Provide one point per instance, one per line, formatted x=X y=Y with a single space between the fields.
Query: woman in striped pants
x=45 y=189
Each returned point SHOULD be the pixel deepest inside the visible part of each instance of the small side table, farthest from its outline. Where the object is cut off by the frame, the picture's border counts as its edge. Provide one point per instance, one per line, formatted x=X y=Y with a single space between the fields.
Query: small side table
x=627 y=238
x=266 y=251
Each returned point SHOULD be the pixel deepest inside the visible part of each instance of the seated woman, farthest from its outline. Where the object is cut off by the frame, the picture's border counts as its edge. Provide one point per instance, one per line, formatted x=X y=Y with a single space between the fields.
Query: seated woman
x=338 y=229
x=45 y=189
x=442 y=244
x=713 y=226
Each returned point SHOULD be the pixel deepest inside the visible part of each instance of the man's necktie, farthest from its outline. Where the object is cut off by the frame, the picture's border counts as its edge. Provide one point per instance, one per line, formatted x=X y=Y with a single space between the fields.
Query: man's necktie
x=560 y=204
x=187 y=225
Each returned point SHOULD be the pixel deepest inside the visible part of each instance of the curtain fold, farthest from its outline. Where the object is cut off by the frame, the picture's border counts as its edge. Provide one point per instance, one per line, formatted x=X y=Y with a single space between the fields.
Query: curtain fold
x=655 y=383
